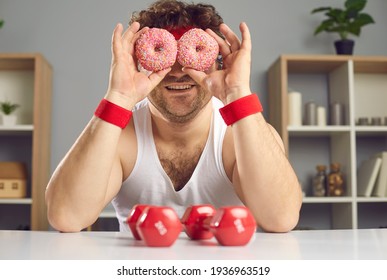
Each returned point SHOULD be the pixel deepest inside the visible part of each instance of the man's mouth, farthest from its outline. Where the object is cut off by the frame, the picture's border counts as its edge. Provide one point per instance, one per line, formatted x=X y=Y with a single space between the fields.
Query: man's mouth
x=180 y=87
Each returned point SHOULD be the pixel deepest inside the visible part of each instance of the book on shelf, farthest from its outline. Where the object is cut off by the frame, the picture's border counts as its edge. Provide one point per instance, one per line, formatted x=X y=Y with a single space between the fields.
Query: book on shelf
x=380 y=189
x=367 y=174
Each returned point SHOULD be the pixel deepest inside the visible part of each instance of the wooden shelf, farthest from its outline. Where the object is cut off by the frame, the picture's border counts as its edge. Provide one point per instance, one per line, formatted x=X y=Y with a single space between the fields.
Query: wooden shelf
x=371 y=199
x=15 y=201
x=317 y=130
x=25 y=129
x=343 y=199
x=371 y=130
x=29 y=78
x=357 y=82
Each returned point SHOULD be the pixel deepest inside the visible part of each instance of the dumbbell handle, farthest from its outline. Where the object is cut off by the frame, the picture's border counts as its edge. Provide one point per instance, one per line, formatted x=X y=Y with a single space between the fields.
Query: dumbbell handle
x=196 y=221
x=231 y=226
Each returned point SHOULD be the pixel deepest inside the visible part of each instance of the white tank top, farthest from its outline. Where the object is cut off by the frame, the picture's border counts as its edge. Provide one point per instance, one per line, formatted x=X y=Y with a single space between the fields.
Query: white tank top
x=148 y=183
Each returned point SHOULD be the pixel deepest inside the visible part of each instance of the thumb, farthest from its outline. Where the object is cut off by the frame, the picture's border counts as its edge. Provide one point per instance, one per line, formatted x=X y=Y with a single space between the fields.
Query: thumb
x=156 y=77
x=197 y=76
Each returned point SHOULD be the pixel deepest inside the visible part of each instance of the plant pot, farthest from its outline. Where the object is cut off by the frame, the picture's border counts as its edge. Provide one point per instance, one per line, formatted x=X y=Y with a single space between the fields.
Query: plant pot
x=9 y=120
x=344 y=47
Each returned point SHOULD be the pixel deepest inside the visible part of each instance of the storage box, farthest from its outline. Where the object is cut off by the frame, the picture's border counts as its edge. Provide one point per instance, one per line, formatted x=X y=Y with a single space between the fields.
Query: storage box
x=13 y=180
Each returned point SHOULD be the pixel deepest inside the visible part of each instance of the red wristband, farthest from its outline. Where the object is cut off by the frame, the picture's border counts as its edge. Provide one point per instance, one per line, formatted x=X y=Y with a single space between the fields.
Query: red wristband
x=241 y=108
x=113 y=113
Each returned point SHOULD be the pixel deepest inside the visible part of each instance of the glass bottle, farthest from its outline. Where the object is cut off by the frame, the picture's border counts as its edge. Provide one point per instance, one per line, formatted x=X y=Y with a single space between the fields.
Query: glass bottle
x=335 y=181
x=320 y=181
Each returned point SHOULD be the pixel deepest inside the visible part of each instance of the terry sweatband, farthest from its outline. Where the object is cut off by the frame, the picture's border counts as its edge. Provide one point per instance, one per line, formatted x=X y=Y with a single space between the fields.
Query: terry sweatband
x=241 y=108
x=113 y=113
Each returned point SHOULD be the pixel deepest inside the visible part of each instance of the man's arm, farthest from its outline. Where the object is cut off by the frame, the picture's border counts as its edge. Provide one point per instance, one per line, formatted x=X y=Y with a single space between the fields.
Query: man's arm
x=86 y=179
x=91 y=172
x=262 y=175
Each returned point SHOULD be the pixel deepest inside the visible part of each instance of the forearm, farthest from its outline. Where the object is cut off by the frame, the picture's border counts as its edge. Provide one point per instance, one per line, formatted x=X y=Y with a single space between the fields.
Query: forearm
x=77 y=190
x=268 y=183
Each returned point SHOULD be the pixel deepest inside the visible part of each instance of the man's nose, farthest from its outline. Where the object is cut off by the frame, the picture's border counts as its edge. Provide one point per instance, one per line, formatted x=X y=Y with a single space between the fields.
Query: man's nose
x=176 y=70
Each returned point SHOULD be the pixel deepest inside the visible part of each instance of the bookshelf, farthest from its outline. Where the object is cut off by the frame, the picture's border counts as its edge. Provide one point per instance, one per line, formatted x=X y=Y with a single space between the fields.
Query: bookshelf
x=360 y=84
x=26 y=78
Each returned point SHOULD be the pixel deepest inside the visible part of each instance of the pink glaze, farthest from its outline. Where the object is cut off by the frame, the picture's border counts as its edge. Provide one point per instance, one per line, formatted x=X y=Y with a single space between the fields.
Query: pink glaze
x=197 y=49
x=156 y=49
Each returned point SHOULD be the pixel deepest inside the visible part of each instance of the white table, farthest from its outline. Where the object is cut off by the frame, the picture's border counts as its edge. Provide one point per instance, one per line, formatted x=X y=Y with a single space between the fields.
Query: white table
x=298 y=245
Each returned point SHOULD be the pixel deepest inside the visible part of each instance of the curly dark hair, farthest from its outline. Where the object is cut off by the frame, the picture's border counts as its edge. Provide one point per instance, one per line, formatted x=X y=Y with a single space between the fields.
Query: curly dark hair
x=171 y=14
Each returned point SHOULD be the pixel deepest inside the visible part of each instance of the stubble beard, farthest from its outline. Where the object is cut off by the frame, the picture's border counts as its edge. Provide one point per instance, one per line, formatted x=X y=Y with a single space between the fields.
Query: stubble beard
x=184 y=109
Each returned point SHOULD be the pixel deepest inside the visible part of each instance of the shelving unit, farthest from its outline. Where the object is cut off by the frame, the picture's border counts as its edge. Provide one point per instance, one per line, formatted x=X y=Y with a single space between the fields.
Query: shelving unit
x=360 y=84
x=27 y=80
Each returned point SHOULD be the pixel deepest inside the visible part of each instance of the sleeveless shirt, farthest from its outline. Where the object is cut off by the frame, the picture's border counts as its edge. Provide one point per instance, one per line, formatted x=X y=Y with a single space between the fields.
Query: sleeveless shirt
x=148 y=183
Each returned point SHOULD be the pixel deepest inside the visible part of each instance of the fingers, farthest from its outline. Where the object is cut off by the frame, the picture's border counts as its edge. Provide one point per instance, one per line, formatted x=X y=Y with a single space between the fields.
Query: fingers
x=231 y=43
x=116 y=39
x=131 y=35
x=197 y=76
x=224 y=46
x=125 y=42
x=156 y=77
x=231 y=37
x=246 y=37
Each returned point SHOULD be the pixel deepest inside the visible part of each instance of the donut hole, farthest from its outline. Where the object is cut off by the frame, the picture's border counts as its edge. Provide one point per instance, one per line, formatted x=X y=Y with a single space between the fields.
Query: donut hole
x=159 y=48
x=199 y=48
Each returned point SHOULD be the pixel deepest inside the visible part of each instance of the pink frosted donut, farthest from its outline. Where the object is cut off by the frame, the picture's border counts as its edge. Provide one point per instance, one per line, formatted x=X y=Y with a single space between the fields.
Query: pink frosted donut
x=197 y=49
x=156 y=49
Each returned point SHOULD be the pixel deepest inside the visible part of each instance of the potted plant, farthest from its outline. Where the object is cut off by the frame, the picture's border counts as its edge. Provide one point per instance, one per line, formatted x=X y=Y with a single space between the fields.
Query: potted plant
x=345 y=21
x=7 y=108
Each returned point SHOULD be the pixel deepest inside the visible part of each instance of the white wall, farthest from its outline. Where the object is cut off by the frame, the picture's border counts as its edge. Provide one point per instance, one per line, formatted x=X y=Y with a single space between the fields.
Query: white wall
x=74 y=36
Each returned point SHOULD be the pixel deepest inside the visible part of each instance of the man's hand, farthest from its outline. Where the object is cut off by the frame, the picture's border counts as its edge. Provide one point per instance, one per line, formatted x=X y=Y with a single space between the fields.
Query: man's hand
x=125 y=78
x=233 y=80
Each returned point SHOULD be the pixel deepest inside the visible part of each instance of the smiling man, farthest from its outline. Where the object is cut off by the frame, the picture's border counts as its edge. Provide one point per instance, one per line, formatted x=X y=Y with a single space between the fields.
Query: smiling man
x=178 y=136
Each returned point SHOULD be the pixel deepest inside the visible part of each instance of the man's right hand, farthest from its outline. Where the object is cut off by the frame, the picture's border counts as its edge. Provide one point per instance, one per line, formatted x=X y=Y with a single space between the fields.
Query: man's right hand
x=128 y=85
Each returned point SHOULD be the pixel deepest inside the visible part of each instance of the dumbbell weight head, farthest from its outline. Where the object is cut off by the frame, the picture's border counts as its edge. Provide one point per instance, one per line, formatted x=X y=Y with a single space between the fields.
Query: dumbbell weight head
x=196 y=221
x=233 y=226
x=158 y=226
x=132 y=219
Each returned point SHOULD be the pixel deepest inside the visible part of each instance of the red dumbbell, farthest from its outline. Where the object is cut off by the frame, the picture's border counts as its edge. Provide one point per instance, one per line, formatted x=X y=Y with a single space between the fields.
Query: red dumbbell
x=231 y=226
x=157 y=226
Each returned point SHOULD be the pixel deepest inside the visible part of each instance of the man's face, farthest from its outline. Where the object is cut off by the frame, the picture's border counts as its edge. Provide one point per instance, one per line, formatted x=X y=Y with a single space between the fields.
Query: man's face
x=178 y=98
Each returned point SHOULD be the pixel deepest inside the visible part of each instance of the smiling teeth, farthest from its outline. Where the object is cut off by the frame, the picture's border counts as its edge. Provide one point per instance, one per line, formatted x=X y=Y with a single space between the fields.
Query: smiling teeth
x=180 y=87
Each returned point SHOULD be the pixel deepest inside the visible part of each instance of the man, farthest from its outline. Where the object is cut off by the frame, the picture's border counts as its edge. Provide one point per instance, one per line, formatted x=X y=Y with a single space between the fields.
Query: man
x=176 y=149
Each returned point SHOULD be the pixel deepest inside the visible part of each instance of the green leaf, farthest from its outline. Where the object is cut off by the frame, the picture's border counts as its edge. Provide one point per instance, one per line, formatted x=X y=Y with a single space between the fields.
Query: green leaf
x=364 y=19
x=1 y=23
x=337 y=14
x=354 y=30
x=321 y=9
x=355 y=5
x=326 y=25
